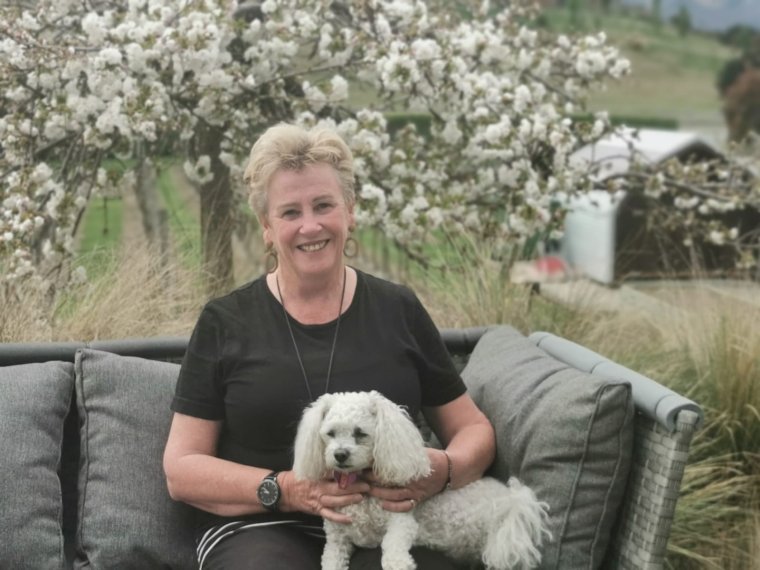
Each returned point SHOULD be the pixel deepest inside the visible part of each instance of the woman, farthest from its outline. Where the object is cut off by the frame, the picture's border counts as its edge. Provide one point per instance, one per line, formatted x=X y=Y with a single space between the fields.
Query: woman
x=261 y=354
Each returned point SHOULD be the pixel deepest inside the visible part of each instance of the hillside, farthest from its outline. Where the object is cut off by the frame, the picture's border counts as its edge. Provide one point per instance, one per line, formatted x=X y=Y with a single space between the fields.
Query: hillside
x=672 y=76
x=714 y=15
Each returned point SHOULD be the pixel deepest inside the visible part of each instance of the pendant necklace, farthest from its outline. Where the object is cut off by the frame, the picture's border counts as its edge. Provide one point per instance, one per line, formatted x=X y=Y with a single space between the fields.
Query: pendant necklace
x=293 y=337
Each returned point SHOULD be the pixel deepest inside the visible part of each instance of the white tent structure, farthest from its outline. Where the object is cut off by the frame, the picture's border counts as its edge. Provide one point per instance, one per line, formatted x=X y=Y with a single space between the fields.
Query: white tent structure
x=591 y=225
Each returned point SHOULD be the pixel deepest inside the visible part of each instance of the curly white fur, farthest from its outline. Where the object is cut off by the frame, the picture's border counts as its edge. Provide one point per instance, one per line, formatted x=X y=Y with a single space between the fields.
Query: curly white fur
x=501 y=525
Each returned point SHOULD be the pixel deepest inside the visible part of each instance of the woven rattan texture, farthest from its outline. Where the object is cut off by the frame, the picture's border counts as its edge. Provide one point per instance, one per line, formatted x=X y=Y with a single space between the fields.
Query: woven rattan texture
x=650 y=500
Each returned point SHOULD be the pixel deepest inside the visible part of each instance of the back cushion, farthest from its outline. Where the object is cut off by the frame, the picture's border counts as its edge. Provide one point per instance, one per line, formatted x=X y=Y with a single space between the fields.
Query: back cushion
x=34 y=402
x=566 y=434
x=127 y=519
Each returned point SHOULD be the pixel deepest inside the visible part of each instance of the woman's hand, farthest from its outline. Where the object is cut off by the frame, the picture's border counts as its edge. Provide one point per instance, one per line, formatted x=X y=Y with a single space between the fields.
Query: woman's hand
x=404 y=499
x=320 y=497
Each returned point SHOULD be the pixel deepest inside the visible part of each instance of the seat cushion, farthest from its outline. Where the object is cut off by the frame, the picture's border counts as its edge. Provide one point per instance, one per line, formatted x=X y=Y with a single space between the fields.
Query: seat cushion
x=565 y=433
x=34 y=402
x=127 y=519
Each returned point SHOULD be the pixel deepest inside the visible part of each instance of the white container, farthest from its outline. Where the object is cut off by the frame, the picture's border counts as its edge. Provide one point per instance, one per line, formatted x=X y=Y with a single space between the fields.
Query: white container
x=588 y=244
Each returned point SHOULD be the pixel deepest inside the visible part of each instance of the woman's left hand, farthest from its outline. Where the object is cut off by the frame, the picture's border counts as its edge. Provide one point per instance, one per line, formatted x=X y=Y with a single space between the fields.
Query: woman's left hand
x=404 y=499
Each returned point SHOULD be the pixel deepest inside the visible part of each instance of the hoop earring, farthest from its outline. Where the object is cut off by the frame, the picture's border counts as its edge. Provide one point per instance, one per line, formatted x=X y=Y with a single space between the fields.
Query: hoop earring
x=351 y=247
x=271 y=262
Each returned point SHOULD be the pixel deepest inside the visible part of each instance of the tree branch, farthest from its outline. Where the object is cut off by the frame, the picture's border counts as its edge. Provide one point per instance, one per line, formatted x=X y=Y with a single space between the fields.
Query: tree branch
x=683 y=186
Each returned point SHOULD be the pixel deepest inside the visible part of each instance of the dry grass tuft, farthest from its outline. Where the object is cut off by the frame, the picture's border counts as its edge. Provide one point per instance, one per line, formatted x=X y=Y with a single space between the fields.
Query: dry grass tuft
x=136 y=296
x=141 y=297
x=718 y=341
x=24 y=315
x=474 y=289
x=708 y=350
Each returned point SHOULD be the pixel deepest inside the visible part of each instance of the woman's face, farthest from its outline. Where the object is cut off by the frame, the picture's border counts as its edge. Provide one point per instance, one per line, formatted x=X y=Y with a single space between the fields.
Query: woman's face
x=307 y=220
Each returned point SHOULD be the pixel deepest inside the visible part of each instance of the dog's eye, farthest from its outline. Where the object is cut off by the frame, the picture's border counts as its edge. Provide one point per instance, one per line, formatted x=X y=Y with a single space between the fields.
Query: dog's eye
x=331 y=433
x=359 y=434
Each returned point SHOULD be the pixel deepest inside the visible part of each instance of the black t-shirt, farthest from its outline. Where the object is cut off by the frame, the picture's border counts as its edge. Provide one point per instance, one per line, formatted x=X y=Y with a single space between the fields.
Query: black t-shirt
x=241 y=366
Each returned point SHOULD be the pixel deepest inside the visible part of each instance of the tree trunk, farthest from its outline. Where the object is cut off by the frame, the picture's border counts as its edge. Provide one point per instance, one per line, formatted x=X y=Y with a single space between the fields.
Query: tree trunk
x=147 y=197
x=216 y=213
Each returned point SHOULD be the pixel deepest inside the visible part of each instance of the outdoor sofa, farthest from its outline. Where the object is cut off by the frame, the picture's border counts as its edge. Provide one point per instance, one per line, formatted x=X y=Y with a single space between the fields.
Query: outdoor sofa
x=83 y=425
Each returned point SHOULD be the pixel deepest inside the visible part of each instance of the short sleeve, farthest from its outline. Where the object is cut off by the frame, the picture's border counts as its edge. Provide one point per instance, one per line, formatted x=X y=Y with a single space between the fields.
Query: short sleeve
x=439 y=380
x=198 y=392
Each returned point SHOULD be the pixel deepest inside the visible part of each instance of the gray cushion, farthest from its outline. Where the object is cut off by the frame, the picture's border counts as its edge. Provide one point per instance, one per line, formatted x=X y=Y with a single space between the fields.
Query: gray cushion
x=565 y=433
x=127 y=519
x=34 y=401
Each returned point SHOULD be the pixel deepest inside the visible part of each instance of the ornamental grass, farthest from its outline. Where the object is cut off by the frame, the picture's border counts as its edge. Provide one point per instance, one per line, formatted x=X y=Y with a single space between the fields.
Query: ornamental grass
x=138 y=295
x=707 y=348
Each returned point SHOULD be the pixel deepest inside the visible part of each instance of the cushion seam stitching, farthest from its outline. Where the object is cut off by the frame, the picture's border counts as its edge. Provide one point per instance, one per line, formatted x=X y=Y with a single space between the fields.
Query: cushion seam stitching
x=579 y=471
x=613 y=479
x=61 y=541
x=86 y=458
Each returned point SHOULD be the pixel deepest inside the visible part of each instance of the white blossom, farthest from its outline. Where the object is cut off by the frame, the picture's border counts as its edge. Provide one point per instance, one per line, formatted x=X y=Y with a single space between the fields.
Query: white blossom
x=200 y=171
x=338 y=89
x=717 y=237
x=79 y=275
x=425 y=49
x=156 y=71
x=523 y=98
x=451 y=133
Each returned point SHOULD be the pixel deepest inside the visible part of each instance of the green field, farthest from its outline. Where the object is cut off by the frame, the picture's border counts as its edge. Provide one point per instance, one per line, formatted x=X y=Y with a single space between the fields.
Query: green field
x=101 y=231
x=100 y=234
x=184 y=224
x=672 y=76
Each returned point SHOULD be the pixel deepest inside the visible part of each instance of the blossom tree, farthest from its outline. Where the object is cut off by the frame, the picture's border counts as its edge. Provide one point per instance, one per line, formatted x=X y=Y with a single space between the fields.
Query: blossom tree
x=83 y=82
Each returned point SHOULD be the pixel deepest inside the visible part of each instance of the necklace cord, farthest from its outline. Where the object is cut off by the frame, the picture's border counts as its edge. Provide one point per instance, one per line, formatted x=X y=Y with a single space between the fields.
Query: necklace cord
x=293 y=337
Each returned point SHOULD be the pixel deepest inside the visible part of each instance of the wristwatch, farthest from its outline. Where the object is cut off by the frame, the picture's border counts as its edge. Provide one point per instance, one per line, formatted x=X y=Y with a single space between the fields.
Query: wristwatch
x=269 y=491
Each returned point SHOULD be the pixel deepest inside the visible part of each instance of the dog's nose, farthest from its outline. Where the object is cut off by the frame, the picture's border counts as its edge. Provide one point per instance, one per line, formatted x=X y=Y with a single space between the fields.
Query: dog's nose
x=341 y=455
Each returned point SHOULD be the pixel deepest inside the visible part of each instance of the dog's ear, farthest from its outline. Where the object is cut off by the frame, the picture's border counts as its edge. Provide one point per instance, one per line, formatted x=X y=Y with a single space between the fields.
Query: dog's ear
x=399 y=453
x=309 y=449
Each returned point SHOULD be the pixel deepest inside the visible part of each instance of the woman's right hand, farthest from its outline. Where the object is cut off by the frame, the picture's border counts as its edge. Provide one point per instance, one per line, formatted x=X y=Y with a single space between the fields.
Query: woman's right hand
x=320 y=497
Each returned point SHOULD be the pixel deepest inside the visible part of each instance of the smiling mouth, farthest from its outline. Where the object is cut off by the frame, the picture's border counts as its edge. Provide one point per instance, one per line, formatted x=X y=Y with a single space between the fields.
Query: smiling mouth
x=311 y=247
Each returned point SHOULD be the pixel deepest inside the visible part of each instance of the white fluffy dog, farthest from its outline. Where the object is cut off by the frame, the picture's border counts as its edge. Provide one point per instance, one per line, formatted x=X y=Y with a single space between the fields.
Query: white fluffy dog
x=342 y=434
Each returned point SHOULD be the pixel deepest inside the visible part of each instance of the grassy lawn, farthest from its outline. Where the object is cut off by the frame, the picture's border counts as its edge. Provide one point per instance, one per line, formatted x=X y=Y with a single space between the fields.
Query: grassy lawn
x=101 y=231
x=100 y=234
x=101 y=227
x=184 y=224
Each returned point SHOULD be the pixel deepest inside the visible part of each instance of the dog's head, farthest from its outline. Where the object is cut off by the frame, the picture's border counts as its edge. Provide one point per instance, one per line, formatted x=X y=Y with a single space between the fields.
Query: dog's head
x=352 y=431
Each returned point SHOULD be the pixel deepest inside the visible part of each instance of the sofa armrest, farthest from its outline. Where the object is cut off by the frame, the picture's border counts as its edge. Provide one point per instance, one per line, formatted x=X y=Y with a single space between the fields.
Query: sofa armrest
x=664 y=426
x=651 y=398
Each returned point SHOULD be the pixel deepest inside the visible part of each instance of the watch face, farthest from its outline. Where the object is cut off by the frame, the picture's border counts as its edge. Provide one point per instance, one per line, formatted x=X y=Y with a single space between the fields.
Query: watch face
x=269 y=492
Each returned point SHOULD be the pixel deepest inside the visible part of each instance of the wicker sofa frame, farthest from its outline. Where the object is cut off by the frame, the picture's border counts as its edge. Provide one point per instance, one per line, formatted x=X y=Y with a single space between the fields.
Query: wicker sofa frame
x=665 y=423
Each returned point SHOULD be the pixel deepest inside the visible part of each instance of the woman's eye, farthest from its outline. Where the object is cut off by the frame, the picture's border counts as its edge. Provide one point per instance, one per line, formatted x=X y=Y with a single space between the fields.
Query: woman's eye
x=289 y=214
x=323 y=206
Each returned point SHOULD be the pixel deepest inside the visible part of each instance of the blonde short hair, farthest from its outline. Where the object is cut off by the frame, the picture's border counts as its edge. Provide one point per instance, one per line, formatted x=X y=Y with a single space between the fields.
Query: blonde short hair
x=289 y=147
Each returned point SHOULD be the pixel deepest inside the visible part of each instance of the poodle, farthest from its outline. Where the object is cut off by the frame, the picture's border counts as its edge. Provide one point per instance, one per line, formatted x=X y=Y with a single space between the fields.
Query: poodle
x=341 y=434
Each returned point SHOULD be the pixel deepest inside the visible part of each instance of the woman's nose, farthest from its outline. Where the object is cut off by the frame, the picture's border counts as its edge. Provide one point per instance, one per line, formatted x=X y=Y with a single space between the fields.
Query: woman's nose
x=310 y=223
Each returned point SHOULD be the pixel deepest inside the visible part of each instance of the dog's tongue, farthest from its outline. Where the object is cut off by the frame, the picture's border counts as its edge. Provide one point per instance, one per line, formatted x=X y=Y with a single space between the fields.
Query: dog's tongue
x=344 y=479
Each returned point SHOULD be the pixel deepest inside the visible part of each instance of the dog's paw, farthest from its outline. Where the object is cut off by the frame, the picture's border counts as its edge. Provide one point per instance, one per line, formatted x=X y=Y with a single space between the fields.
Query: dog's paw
x=332 y=564
x=336 y=555
x=397 y=561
